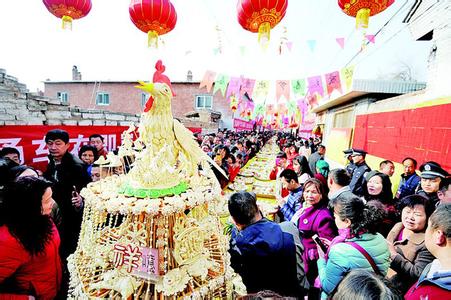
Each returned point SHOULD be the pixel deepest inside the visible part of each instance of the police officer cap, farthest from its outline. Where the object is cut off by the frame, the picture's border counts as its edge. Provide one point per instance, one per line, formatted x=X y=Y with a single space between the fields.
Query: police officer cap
x=358 y=152
x=348 y=151
x=432 y=170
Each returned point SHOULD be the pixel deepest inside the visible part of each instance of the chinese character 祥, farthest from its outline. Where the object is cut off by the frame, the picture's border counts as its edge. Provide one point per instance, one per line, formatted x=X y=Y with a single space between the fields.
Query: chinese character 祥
x=126 y=255
x=119 y=252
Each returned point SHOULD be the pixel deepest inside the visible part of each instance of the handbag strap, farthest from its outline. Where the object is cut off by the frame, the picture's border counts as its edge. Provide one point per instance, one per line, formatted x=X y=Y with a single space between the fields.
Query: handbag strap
x=367 y=256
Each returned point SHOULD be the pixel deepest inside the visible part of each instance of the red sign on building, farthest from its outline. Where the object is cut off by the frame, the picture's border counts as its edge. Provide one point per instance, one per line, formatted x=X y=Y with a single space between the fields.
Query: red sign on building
x=240 y=125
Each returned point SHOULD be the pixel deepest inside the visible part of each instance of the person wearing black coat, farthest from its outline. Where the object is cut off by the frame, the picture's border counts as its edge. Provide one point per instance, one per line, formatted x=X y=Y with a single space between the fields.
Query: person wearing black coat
x=360 y=170
x=69 y=176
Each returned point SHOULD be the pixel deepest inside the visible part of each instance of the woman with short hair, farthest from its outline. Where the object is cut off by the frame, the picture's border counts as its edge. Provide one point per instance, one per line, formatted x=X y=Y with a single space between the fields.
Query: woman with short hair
x=88 y=154
x=409 y=255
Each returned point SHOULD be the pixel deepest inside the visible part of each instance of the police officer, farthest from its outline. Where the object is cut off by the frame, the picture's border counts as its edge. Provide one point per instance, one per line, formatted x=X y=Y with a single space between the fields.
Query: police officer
x=360 y=170
x=350 y=163
x=432 y=174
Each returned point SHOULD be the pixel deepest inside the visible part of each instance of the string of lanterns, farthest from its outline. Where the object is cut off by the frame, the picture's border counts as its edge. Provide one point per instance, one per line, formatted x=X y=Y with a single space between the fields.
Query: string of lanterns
x=158 y=17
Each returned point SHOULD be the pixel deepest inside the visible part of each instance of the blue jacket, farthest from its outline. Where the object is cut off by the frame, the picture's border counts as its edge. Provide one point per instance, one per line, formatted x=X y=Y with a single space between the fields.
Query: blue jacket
x=358 y=178
x=293 y=204
x=344 y=257
x=436 y=287
x=265 y=258
x=407 y=185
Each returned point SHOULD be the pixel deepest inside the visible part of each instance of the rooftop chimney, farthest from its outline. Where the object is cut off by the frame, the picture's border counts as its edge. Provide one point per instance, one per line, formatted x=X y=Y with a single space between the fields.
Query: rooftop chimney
x=76 y=75
x=189 y=76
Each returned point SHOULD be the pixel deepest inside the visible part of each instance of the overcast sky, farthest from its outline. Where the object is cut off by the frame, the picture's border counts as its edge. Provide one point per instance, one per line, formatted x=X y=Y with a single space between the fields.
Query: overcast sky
x=106 y=45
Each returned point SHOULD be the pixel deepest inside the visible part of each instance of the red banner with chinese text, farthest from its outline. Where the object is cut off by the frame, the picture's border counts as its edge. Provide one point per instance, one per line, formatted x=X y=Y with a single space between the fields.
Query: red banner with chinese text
x=29 y=140
x=240 y=125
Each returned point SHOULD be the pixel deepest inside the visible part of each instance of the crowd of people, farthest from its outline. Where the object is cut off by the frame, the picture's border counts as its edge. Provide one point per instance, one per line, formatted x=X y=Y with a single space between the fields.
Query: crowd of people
x=339 y=233
x=357 y=239
x=40 y=215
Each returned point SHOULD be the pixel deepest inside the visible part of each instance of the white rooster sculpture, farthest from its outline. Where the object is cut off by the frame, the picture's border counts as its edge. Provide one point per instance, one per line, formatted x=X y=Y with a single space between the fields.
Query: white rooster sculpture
x=170 y=153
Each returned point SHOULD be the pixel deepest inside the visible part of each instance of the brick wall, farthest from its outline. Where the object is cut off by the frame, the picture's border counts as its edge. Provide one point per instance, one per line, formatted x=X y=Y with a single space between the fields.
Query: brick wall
x=124 y=97
x=19 y=107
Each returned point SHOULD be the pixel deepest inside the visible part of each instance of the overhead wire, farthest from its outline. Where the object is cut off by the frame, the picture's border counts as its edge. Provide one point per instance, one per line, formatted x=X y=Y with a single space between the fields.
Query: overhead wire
x=379 y=31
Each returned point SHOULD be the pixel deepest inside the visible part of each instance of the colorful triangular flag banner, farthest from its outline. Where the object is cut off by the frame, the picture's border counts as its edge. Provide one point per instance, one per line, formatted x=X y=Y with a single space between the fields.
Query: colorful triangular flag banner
x=333 y=82
x=298 y=86
x=315 y=85
x=282 y=89
x=311 y=44
x=370 y=38
x=221 y=83
x=208 y=80
x=261 y=89
x=348 y=74
x=234 y=87
x=247 y=86
x=341 y=42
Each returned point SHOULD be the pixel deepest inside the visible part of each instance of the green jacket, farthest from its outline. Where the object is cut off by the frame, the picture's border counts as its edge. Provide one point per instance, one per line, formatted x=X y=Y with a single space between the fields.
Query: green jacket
x=344 y=257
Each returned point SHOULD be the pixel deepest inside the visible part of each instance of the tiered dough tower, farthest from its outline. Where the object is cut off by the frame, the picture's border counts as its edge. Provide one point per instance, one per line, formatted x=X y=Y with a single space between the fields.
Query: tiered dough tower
x=153 y=233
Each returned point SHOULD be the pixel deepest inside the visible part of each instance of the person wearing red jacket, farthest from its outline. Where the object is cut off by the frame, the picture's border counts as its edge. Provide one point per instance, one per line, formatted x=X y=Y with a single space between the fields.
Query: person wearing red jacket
x=435 y=281
x=282 y=163
x=30 y=264
x=233 y=167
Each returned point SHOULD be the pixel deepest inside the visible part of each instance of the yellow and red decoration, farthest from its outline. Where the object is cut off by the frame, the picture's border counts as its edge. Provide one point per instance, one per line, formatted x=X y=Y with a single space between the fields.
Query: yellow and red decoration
x=154 y=17
x=233 y=103
x=363 y=9
x=261 y=16
x=68 y=10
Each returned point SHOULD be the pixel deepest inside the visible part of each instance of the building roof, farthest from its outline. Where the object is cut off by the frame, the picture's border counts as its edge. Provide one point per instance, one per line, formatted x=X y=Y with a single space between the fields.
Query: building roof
x=362 y=87
x=412 y=11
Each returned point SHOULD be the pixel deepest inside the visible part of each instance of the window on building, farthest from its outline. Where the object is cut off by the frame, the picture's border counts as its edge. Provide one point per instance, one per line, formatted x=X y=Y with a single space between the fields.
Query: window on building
x=204 y=101
x=103 y=99
x=63 y=97
x=144 y=98
x=344 y=118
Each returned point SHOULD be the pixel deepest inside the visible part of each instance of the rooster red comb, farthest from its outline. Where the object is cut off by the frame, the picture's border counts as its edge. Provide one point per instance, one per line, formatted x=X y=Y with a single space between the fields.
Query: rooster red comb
x=158 y=76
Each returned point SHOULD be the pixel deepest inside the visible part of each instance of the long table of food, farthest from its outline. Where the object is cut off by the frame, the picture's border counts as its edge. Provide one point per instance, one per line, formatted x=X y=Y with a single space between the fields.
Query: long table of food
x=254 y=177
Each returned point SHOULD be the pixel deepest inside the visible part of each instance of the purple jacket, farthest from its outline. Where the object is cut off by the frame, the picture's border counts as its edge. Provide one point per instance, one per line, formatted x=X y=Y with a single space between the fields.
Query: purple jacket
x=315 y=220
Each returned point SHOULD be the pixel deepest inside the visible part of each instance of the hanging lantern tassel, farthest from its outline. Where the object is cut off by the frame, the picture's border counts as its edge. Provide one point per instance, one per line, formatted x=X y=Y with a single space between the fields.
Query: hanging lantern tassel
x=362 y=18
x=264 y=34
x=67 y=22
x=152 y=39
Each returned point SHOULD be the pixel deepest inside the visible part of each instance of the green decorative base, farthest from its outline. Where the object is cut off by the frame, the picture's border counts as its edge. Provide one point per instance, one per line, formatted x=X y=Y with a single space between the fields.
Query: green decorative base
x=153 y=193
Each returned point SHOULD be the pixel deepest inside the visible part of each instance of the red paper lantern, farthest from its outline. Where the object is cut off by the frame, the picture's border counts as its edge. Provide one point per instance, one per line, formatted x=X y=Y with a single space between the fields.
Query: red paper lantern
x=363 y=9
x=261 y=16
x=154 y=17
x=68 y=10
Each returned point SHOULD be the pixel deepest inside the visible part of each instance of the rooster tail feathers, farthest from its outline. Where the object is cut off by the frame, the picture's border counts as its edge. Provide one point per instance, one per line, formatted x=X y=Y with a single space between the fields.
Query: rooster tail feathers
x=186 y=140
